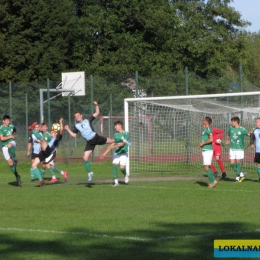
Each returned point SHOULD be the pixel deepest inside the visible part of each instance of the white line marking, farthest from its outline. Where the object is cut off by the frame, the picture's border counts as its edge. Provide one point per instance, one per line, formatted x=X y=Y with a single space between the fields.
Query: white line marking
x=192 y=189
x=128 y=238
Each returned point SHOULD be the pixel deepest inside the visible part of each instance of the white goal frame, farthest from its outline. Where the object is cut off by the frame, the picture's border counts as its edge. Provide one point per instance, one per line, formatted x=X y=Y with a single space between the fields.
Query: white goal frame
x=127 y=100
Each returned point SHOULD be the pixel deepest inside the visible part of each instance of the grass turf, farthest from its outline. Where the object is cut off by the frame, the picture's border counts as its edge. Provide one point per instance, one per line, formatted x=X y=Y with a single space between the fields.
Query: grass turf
x=141 y=220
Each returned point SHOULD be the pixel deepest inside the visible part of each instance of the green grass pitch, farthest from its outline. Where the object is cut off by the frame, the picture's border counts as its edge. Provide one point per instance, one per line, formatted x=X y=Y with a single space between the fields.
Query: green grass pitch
x=141 y=220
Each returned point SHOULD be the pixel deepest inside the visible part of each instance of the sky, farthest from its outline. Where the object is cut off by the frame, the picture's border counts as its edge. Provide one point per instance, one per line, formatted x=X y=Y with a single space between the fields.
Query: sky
x=250 y=11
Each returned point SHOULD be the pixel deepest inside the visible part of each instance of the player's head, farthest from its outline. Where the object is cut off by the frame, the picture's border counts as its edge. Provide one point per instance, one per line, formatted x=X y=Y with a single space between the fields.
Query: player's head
x=44 y=127
x=78 y=116
x=53 y=133
x=118 y=125
x=207 y=121
x=37 y=128
x=235 y=121
x=6 y=120
x=257 y=122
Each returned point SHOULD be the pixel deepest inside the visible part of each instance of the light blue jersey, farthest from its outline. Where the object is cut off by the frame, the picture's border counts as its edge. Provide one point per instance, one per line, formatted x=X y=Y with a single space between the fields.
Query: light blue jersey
x=85 y=128
x=255 y=137
x=36 y=144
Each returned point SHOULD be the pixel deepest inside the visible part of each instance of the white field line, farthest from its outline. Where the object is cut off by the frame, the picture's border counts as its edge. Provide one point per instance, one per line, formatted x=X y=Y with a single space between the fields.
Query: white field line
x=205 y=189
x=127 y=238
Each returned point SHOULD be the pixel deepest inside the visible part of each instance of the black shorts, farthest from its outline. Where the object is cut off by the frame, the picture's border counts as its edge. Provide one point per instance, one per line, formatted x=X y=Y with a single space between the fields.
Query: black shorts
x=96 y=140
x=50 y=158
x=257 y=158
x=35 y=155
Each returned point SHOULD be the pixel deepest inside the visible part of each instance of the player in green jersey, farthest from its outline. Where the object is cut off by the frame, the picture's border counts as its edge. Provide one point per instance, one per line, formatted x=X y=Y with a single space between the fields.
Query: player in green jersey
x=207 y=150
x=120 y=156
x=50 y=166
x=7 y=136
x=235 y=138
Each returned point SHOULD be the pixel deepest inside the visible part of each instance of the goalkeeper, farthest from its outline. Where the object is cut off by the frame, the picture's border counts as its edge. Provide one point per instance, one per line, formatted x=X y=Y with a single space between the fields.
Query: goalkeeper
x=48 y=150
x=121 y=153
x=217 y=136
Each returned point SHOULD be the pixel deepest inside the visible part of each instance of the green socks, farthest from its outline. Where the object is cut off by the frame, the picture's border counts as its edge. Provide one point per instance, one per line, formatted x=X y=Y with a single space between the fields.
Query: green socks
x=51 y=172
x=14 y=171
x=258 y=171
x=12 y=152
x=57 y=170
x=43 y=172
x=115 y=174
x=123 y=170
x=238 y=169
x=37 y=173
x=32 y=174
x=37 y=135
x=210 y=175
x=234 y=166
x=87 y=166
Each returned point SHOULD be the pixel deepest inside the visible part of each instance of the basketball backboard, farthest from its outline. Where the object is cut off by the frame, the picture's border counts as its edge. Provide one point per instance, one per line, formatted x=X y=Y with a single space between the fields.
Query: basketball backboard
x=73 y=81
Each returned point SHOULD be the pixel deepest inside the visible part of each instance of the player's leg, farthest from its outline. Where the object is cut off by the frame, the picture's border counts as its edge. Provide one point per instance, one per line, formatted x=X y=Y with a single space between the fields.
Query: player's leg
x=88 y=150
x=123 y=162
x=207 y=159
x=43 y=168
x=11 y=148
x=257 y=160
x=239 y=158
x=31 y=172
x=50 y=170
x=36 y=171
x=109 y=140
x=11 y=164
x=56 y=169
x=233 y=163
x=115 y=162
x=221 y=165
x=212 y=166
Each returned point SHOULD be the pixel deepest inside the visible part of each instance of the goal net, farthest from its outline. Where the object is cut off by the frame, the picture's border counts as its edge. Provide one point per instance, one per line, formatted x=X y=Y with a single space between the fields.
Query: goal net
x=165 y=131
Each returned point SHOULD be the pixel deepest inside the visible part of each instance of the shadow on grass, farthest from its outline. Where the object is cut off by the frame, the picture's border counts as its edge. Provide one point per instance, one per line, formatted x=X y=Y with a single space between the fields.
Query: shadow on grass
x=164 y=241
x=202 y=183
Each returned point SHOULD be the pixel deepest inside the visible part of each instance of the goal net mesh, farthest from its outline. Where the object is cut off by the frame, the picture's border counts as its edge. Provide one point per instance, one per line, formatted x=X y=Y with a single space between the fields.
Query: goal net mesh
x=165 y=133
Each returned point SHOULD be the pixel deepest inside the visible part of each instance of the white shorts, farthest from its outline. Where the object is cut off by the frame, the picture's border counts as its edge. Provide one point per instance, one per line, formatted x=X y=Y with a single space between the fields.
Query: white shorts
x=6 y=154
x=234 y=154
x=120 y=159
x=207 y=157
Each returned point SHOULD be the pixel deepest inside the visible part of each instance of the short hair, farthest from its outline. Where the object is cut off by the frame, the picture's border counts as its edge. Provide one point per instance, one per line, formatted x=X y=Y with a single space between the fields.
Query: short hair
x=118 y=123
x=235 y=119
x=258 y=118
x=77 y=112
x=208 y=119
x=6 y=117
x=42 y=124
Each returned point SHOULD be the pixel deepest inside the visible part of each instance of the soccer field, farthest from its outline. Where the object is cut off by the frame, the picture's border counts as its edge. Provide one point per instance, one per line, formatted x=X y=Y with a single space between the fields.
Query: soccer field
x=147 y=219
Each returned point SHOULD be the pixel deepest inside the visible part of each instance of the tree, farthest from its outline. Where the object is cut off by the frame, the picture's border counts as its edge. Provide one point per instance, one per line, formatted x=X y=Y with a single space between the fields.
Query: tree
x=34 y=39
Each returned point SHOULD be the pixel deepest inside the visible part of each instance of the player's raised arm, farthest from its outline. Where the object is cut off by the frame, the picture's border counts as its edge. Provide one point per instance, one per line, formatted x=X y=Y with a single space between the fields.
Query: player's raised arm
x=97 y=109
x=61 y=126
x=111 y=147
x=69 y=131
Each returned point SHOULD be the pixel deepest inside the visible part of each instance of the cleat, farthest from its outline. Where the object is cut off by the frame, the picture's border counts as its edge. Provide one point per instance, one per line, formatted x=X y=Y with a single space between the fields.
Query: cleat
x=242 y=179
x=42 y=182
x=210 y=185
x=126 y=178
x=90 y=176
x=215 y=183
x=53 y=180
x=215 y=174
x=65 y=176
x=224 y=175
x=31 y=127
x=18 y=181
x=115 y=185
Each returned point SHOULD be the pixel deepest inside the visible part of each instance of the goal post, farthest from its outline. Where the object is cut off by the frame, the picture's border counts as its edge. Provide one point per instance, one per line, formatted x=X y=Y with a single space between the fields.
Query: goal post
x=176 y=128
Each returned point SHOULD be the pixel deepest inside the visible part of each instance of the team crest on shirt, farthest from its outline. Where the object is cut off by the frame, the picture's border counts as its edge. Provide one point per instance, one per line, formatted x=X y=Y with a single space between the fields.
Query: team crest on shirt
x=239 y=133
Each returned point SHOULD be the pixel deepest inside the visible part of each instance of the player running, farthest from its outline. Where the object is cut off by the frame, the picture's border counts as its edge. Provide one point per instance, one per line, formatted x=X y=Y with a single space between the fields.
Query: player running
x=48 y=150
x=255 y=143
x=34 y=147
x=207 y=150
x=7 y=136
x=84 y=126
x=120 y=156
x=235 y=138
x=217 y=136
